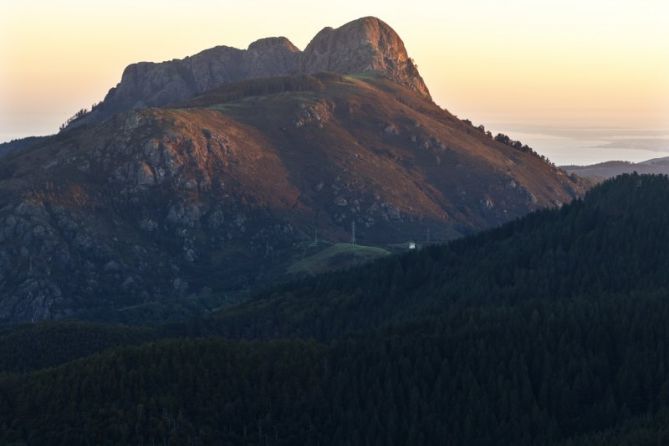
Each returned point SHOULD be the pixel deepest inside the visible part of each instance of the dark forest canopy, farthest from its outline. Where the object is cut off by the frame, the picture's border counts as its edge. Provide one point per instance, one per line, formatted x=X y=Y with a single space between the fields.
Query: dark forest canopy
x=549 y=330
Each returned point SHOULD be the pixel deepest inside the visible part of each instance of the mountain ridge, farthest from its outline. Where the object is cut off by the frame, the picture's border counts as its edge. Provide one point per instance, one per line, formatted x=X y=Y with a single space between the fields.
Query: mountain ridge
x=362 y=45
x=601 y=171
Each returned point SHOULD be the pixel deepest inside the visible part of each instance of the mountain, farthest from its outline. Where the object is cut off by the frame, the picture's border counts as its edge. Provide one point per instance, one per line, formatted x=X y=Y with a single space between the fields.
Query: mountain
x=192 y=205
x=609 y=169
x=19 y=144
x=549 y=330
x=548 y=255
x=364 y=45
x=227 y=192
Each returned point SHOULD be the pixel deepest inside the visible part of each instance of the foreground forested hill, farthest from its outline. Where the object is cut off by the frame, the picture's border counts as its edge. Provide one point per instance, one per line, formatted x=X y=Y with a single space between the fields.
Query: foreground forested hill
x=537 y=373
x=550 y=330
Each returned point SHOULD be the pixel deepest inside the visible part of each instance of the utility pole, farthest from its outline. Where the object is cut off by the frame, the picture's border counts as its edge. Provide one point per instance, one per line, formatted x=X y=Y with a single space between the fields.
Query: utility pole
x=353 y=232
x=316 y=220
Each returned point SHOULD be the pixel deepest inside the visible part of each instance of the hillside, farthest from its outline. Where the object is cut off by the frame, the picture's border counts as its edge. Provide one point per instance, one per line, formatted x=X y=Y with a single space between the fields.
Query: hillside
x=334 y=257
x=549 y=330
x=19 y=144
x=533 y=374
x=602 y=171
x=609 y=242
x=37 y=346
x=220 y=195
x=574 y=252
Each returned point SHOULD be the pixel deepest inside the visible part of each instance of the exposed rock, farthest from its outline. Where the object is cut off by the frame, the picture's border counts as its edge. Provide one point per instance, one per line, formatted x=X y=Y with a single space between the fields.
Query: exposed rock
x=366 y=44
x=391 y=129
x=272 y=56
x=363 y=45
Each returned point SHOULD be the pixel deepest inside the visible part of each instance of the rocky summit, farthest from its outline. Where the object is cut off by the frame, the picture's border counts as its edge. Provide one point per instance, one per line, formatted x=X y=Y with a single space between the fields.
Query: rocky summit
x=228 y=188
x=364 y=45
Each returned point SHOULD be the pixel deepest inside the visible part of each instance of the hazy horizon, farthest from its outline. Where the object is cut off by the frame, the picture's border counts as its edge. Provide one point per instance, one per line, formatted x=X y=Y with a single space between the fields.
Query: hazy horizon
x=543 y=73
x=568 y=145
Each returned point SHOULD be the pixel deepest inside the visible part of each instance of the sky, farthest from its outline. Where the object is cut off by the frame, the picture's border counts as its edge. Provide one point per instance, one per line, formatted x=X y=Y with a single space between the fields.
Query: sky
x=580 y=81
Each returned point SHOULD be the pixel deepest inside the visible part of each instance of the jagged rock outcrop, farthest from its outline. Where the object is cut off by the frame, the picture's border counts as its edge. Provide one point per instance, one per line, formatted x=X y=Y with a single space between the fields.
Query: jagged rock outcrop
x=363 y=45
x=155 y=84
x=366 y=44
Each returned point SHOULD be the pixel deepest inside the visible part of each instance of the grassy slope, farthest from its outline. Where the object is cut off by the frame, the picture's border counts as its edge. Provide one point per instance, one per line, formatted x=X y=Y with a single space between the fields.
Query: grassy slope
x=337 y=256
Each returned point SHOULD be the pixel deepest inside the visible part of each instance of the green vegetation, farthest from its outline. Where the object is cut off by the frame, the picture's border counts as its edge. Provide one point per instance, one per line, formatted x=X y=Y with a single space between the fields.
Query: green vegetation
x=534 y=374
x=166 y=311
x=196 y=392
x=31 y=347
x=550 y=330
x=77 y=116
x=613 y=241
x=337 y=256
x=264 y=87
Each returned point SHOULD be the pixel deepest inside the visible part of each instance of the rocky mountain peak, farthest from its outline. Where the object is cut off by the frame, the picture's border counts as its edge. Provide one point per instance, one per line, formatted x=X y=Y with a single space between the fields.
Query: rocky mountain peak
x=269 y=57
x=366 y=44
x=363 y=45
x=271 y=43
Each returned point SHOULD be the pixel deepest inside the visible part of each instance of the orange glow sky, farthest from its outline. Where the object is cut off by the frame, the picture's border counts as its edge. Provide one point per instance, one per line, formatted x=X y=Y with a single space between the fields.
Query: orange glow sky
x=585 y=63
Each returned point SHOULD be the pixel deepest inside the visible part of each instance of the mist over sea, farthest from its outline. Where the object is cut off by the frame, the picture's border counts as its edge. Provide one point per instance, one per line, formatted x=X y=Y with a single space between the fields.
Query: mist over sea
x=590 y=145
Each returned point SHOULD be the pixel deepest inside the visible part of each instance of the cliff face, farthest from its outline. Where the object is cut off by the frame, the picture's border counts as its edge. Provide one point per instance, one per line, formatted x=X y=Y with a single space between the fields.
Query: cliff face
x=155 y=84
x=367 y=44
x=364 y=45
